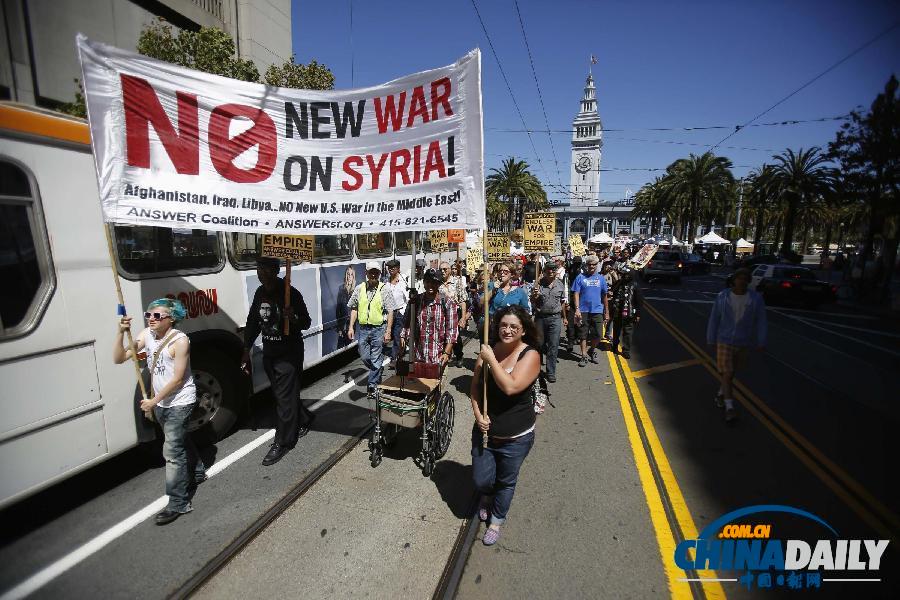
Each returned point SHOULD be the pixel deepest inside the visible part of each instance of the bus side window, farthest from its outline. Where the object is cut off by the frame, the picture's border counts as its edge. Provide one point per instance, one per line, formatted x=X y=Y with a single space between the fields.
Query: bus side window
x=330 y=248
x=403 y=242
x=244 y=248
x=372 y=245
x=25 y=262
x=157 y=250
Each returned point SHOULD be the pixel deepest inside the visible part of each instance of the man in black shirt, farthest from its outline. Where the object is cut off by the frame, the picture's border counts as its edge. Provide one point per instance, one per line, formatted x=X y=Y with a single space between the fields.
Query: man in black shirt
x=282 y=354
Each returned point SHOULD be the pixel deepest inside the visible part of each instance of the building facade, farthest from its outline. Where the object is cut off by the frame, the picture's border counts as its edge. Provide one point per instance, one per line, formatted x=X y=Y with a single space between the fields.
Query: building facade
x=584 y=213
x=38 y=61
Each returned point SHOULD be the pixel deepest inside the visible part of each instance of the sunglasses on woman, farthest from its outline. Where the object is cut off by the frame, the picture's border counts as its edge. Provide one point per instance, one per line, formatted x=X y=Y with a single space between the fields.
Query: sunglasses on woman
x=156 y=316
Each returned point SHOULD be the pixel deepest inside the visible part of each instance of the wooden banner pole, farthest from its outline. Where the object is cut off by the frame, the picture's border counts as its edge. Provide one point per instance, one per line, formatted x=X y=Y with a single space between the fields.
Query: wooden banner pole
x=131 y=346
x=287 y=297
x=485 y=369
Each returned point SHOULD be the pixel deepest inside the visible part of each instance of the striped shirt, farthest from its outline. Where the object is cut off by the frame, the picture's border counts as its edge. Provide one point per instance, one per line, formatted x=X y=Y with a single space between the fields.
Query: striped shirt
x=436 y=327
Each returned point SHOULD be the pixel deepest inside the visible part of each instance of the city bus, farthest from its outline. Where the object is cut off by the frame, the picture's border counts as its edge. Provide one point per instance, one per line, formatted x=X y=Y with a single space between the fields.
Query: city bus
x=65 y=405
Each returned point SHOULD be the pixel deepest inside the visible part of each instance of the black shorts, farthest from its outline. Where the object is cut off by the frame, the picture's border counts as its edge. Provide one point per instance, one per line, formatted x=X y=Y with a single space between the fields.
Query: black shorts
x=591 y=326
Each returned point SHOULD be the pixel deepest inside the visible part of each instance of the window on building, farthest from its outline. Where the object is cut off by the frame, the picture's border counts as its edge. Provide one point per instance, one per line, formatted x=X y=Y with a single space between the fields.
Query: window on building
x=330 y=248
x=598 y=226
x=370 y=245
x=151 y=251
x=577 y=226
x=643 y=229
x=25 y=262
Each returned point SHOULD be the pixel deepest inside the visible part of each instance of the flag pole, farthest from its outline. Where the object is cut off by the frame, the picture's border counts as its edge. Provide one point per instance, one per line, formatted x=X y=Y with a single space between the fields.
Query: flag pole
x=287 y=296
x=122 y=313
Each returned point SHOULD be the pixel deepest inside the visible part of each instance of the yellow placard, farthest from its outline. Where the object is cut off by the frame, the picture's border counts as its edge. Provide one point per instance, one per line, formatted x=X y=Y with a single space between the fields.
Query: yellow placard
x=474 y=260
x=439 y=240
x=576 y=244
x=540 y=230
x=497 y=246
x=298 y=248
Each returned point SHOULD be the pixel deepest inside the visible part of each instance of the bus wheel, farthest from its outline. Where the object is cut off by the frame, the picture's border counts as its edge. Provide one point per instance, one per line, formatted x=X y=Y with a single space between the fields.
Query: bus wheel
x=217 y=403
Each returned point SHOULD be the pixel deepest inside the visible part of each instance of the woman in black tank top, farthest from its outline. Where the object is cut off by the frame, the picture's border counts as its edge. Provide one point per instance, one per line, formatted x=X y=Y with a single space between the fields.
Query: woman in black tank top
x=513 y=365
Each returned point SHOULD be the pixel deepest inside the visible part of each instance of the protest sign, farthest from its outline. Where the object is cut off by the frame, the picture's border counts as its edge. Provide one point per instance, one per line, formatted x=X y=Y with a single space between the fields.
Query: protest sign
x=497 y=246
x=456 y=236
x=297 y=248
x=576 y=244
x=643 y=256
x=540 y=229
x=175 y=147
x=474 y=259
x=438 y=241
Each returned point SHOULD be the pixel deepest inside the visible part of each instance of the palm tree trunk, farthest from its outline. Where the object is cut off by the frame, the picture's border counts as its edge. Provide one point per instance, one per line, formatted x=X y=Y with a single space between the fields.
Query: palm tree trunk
x=788 y=235
x=757 y=234
x=777 y=235
x=827 y=245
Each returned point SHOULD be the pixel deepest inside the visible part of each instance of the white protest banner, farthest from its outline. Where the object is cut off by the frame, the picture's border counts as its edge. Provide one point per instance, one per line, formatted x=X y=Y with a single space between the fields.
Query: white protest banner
x=640 y=260
x=176 y=147
x=540 y=230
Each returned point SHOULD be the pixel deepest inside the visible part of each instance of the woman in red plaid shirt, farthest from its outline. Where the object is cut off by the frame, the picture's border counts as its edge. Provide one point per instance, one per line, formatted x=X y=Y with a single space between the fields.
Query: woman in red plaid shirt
x=436 y=325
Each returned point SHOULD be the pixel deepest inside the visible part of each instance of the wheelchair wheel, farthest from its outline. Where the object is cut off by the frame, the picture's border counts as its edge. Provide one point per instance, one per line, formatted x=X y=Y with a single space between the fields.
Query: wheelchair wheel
x=427 y=465
x=443 y=425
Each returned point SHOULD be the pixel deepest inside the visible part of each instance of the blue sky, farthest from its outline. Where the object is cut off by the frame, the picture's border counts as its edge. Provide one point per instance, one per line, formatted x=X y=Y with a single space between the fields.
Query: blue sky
x=661 y=64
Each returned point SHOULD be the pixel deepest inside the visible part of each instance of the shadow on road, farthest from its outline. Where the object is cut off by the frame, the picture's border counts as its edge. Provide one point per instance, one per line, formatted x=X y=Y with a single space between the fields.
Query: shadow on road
x=454 y=483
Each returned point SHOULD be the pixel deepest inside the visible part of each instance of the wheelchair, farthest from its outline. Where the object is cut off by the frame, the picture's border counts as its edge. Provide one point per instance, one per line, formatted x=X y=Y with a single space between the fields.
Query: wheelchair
x=407 y=402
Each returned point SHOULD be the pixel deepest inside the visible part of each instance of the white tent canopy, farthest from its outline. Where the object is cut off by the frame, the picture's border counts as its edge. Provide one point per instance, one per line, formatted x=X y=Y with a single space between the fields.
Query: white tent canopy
x=742 y=243
x=711 y=238
x=601 y=238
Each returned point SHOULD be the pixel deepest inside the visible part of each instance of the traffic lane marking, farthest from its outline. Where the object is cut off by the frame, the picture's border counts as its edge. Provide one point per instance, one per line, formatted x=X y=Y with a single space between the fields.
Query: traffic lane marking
x=851 y=327
x=91 y=547
x=828 y=472
x=652 y=493
x=841 y=335
x=663 y=368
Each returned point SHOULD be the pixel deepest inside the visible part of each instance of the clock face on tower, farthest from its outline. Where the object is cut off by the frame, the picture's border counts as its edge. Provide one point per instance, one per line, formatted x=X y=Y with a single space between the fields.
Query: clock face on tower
x=583 y=164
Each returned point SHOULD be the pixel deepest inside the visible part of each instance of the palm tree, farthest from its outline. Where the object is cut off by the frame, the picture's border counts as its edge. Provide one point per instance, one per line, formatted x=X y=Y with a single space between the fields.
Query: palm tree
x=803 y=178
x=701 y=185
x=761 y=195
x=515 y=185
x=652 y=202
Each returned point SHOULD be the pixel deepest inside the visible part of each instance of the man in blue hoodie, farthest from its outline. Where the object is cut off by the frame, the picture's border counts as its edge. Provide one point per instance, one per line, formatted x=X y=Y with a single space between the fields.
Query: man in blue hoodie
x=737 y=323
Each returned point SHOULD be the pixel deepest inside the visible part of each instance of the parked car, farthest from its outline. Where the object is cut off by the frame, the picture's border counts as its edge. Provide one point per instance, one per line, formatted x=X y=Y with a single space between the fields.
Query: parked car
x=793 y=285
x=752 y=261
x=693 y=264
x=665 y=263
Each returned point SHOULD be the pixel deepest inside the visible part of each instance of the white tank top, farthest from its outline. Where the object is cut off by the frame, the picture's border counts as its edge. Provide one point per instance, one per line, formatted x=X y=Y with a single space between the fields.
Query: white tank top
x=165 y=367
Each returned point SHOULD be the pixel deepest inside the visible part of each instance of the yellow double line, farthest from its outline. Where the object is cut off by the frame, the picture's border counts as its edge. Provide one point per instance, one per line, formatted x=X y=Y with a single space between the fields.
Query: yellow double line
x=871 y=510
x=669 y=514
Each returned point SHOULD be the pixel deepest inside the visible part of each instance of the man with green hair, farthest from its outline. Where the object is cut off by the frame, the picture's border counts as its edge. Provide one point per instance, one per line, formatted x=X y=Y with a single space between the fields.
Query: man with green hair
x=173 y=396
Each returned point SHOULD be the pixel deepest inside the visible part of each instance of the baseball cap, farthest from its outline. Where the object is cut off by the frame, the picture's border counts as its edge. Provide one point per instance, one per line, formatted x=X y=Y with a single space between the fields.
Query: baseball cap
x=268 y=261
x=393 y=263
x=592 y=259
x=550 y=266
x=372 y=265
x=433 y=275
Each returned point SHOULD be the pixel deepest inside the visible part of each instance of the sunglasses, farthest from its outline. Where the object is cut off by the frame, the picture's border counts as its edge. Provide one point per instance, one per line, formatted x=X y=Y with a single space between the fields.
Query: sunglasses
x=505 y=271
x=156 y=316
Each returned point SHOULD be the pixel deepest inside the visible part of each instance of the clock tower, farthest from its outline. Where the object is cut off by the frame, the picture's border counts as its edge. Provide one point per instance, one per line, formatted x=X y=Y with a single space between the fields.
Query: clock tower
x=587 y=140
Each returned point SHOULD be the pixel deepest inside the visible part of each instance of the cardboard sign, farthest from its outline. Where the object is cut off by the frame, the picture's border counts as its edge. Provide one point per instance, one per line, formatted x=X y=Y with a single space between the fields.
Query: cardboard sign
x=640 y=260
x=439 y=240
x=576 y=244
x=456 y=236
x=540 y=231
x=557 y=245
x=474 y=260
x=298 y=248
x=497 y=246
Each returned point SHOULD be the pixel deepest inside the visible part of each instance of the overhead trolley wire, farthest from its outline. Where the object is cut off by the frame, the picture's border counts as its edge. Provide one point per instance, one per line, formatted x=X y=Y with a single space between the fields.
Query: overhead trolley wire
x=508 y=86
x=540 y=95
x=738 y=128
